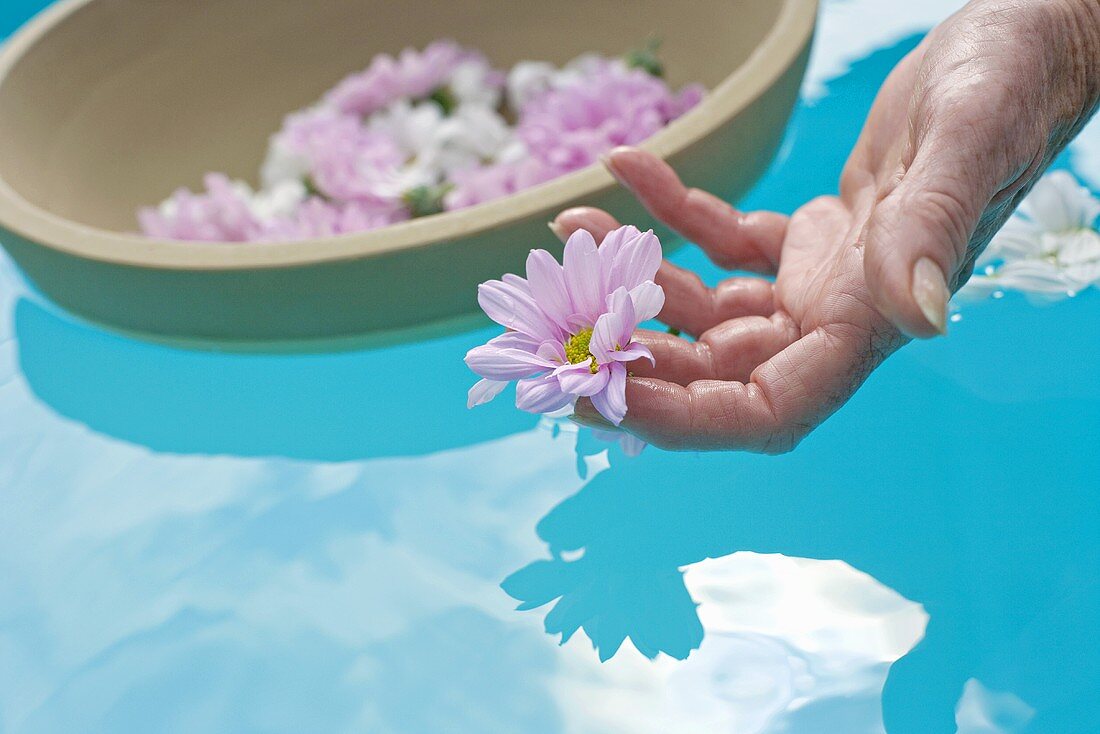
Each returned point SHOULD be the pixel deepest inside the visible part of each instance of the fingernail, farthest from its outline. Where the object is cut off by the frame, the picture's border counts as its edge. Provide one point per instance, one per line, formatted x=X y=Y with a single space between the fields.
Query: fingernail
x=558 y=230
x=931 y=293
x=608 y=161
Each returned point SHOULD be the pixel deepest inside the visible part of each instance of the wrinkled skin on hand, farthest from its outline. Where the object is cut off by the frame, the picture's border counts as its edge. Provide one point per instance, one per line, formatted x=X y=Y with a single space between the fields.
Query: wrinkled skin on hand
x=959 y=132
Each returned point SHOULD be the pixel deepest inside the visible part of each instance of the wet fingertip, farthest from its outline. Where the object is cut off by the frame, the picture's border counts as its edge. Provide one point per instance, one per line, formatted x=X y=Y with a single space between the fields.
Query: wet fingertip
x=599 y=425
x=585 y=414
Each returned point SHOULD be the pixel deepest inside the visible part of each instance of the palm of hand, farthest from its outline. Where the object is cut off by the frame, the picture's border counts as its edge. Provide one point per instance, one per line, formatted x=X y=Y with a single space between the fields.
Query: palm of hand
x=821 y=277
x=770 y=360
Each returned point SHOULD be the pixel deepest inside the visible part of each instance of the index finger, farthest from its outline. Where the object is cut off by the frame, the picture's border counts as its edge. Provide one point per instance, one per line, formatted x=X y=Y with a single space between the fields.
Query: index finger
x=732 y=239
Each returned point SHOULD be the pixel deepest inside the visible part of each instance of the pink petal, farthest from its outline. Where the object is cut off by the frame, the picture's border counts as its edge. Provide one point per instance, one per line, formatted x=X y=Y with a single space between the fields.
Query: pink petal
x=636 y=262
x=610 y=247
x=517 y=282
x=622 y=305
x=514 y=340
x=582 y=274
x=541 y=395
x=513 y=308
x=578 y=322
x=616 y=238
x=483 y=391
x=552 y=351
x=611 y=401
x=611 y=435
x=495 y=363
x=569 y=367
x=649 y=299
x=581 y=382
x=632 y=352
x=618 y=300
x=547 y=283
x=631 y=444
x=606 y=337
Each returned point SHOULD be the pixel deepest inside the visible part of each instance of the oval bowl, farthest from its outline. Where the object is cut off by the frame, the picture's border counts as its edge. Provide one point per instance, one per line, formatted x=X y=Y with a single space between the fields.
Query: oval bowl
x=108 y=105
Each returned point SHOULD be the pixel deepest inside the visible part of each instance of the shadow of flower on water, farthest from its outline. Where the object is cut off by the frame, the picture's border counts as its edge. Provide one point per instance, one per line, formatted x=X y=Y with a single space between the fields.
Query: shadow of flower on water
x=601 y=597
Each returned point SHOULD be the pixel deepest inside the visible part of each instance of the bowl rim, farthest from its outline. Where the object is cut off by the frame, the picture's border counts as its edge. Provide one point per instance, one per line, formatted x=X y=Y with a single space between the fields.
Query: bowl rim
x=788 y=36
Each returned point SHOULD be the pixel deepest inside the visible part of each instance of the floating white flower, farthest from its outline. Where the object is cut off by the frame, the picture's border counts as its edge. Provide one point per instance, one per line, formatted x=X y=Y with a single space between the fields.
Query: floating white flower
x=1049 y=248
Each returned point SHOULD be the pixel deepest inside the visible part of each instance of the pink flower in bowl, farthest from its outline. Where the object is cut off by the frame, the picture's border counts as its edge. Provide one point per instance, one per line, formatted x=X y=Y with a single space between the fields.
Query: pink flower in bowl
x=571 y=326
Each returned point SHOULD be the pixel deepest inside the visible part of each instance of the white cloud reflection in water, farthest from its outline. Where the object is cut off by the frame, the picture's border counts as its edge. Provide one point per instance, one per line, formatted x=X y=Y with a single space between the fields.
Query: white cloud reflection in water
x=791 y=645
x=982 y=711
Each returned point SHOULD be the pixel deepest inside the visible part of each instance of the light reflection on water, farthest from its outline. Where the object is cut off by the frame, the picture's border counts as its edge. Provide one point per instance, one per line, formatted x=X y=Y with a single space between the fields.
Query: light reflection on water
x=203 y=542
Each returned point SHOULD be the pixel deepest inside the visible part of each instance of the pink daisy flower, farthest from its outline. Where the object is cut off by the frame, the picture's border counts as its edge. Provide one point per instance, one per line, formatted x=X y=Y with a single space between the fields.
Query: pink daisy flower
x=221 y=213
x=319 y=218
x=413 y=74
x=607 y=104
x=485 y=183
x=571 y=117
x=342 y=158
x=571 y=326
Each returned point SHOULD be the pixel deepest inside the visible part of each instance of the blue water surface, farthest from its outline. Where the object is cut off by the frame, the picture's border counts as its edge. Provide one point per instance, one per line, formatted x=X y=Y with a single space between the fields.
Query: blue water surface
x=202 y=542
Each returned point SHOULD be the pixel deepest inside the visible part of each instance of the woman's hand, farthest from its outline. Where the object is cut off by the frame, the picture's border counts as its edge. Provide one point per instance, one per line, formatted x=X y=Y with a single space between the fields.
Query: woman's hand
x=957 y=135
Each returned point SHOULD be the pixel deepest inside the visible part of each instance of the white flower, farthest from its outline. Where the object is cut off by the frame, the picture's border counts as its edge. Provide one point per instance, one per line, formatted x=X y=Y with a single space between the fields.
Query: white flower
x=528 y=79
x=1058 y=203
x=412 y=126
x=475 y=83
x=279 y=200
x=282 y=165
x=439 y=144
x=1049 y=248
x=266 y=205
x=471 y=135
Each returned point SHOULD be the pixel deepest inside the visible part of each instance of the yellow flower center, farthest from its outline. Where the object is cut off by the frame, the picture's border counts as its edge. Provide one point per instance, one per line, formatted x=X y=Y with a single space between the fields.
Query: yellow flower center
x=576 y=349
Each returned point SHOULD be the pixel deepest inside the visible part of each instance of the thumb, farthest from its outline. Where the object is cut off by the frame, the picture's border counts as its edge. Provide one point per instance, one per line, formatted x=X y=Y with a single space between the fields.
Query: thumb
x=917 y=241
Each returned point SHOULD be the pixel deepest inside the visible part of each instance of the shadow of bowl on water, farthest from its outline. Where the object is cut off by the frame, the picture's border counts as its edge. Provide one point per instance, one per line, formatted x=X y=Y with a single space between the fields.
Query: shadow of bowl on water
x=407 y=399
